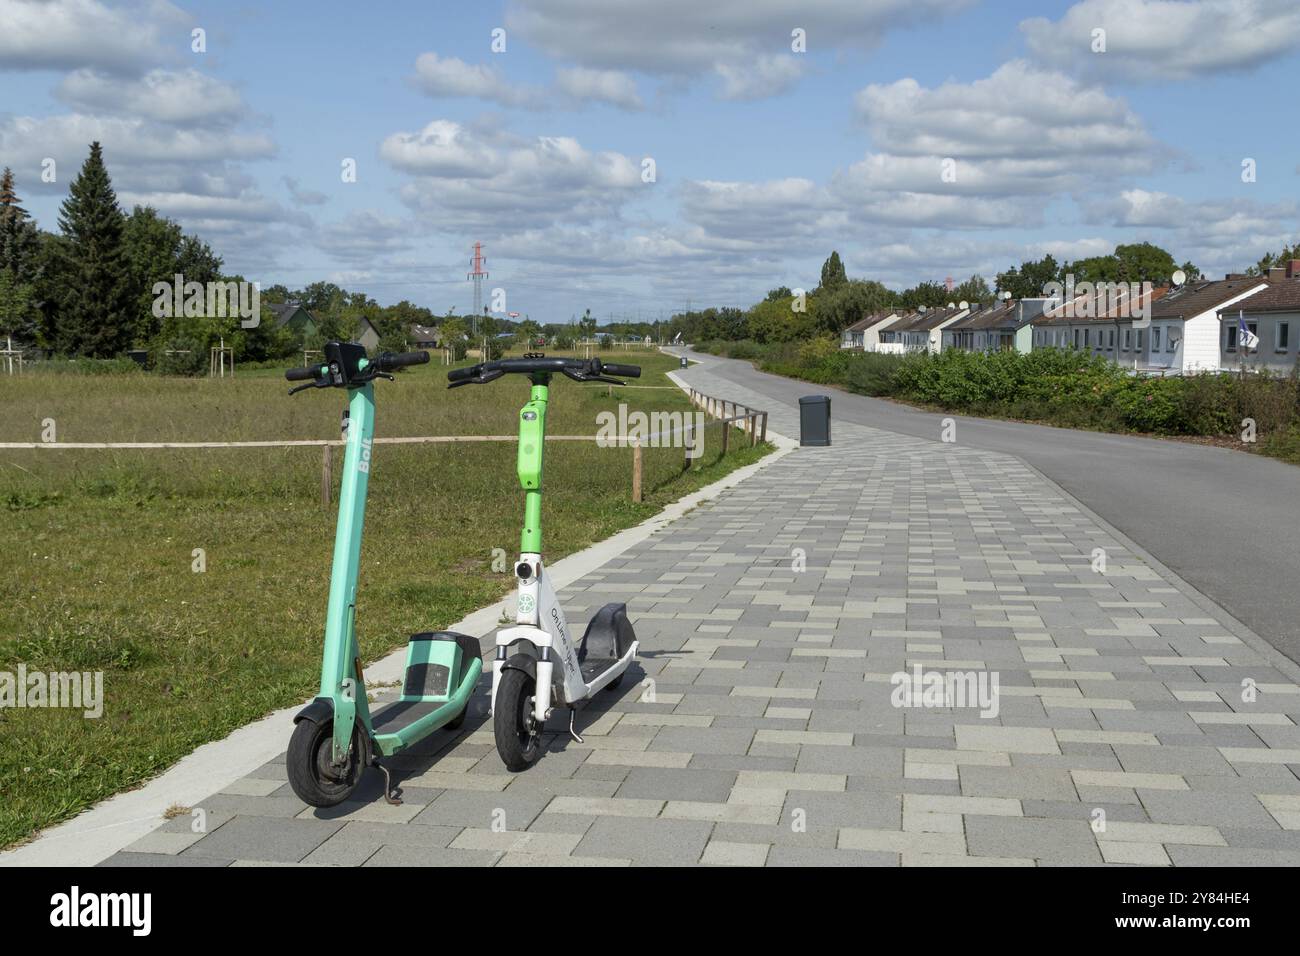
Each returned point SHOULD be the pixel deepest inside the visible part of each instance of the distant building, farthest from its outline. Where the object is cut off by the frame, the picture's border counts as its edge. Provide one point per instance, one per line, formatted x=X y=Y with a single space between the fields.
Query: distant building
x=1273 y=315
x=424 y=337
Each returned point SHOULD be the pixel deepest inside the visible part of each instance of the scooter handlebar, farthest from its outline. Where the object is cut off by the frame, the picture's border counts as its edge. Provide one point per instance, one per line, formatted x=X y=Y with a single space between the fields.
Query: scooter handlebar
x=579 y=369
x=627 y=371
x=303 y=374
x=389 y=361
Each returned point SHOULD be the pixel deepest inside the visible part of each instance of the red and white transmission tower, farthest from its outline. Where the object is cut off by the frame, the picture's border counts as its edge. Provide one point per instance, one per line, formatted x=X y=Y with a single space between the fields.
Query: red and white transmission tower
x=478 y=275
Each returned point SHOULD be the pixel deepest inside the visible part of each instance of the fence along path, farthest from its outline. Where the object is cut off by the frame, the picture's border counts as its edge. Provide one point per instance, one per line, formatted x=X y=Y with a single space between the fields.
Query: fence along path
x=715 y=407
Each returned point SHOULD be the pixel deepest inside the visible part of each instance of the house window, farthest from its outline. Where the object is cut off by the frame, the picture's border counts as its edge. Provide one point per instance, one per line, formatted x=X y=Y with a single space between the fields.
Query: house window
x=1170 y=341
x=1283 y=336
x=1155 y=339
x=1128 y=339
x=1138 y=342
x=1110 y=339
x=1232 y=337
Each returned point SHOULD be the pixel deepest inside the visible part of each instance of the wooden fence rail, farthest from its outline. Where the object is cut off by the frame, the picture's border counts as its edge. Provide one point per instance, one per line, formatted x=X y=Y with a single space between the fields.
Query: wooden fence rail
x=327 y=446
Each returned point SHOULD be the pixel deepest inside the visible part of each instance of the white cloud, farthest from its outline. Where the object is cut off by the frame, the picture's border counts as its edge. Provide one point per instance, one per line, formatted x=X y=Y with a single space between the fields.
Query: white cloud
x=449 y=76
x=759 y=78
x=71 y=34
x=502 y=183
x=1019 y=112
x=366 y=233
x=604 y=86
x=1167 y=40
x=730 y=37
x=26 y=140
x=1160 y=210
x=303 y=197
x=181 y=97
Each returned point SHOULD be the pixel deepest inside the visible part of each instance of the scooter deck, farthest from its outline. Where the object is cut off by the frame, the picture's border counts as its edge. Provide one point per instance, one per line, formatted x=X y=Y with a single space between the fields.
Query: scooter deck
x=403 y=713
x=593 y=667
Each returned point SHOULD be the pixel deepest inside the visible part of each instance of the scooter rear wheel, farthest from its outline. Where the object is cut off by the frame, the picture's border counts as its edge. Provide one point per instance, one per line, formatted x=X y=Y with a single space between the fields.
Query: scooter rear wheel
x=311 y=774
x=519 y=742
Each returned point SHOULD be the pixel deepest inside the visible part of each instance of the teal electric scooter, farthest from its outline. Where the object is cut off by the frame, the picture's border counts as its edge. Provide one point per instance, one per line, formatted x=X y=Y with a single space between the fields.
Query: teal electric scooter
x=335 y=737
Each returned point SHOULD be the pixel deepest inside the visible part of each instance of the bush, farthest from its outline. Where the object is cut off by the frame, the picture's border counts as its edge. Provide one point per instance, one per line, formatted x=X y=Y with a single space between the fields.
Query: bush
x=182 y=356
x=872 y=373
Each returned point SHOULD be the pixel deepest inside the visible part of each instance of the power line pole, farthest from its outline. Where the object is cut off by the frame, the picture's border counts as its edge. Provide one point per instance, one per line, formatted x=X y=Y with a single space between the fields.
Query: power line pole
x=478 y=275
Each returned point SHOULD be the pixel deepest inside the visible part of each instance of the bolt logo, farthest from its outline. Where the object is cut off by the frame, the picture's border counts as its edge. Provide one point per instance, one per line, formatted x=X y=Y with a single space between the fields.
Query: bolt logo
x=525 y=604
x=364 y=463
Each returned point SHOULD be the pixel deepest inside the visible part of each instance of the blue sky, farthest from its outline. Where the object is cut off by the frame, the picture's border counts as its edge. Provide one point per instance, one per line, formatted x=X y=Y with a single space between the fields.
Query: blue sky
x=765 y=159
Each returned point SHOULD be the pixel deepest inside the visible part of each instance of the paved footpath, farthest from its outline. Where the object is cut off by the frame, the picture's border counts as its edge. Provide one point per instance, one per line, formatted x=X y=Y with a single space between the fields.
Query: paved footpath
x=760 y=726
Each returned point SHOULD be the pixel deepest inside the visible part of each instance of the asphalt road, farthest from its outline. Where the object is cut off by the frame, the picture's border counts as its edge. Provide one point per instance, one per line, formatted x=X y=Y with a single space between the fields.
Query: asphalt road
x=1226 y=522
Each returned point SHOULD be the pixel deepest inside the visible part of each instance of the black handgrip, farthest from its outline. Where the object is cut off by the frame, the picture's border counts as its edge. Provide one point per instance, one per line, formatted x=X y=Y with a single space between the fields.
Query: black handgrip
x=302 y=374
x=462 y=374
x=627 y=371
x=394 y=360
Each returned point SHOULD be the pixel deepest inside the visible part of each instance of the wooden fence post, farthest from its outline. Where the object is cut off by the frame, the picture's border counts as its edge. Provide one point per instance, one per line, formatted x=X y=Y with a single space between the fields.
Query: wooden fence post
x=686 y=458
x=636 y=472
x=753 y=430
x=726 y=433
x=764 y=435
x=326 y=475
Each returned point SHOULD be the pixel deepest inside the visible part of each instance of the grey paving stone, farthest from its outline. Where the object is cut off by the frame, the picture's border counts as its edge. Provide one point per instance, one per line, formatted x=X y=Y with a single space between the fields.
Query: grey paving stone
x=1206 y=809
x=471 y=808
x=264 y=838
x=1039 y=839
x=709 y=786
x=656 y=841
x=819 y=856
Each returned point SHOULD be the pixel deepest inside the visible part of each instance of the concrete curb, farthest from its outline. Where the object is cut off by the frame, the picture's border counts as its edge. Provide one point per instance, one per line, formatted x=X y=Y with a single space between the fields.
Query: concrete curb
x=119 y=821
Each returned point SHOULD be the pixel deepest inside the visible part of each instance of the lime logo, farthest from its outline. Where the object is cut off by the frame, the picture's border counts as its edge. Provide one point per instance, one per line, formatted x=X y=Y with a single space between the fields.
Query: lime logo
x=526 y=604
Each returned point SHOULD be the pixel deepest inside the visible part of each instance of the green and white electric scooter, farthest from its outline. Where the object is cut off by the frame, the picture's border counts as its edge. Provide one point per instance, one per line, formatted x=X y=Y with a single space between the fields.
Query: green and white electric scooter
x=335 y=736
x=537 y=664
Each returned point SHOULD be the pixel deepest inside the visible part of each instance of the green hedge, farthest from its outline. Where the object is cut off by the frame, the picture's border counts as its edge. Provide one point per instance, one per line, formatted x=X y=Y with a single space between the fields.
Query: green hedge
x=1059 y=386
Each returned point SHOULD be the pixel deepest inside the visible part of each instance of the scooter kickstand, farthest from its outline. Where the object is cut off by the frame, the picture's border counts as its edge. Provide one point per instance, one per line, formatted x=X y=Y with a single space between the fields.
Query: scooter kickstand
x=573 y=733
x=390 y=795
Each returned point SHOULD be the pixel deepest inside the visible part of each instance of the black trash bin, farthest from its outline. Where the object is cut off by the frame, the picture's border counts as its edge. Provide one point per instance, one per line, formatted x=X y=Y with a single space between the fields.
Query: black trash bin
x=683 y=361
x=815 y=420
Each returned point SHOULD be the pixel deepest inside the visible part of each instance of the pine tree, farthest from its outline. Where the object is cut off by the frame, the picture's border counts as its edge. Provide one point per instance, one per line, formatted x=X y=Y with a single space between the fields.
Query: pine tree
x=19 y=265
x=95 y=309
x=18 y=234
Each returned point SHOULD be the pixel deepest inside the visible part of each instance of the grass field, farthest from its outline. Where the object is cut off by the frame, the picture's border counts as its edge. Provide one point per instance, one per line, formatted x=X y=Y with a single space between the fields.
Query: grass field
x=96 y=572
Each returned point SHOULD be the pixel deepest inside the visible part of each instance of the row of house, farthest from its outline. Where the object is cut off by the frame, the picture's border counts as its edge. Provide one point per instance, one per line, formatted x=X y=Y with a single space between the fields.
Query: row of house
x=1192 y=327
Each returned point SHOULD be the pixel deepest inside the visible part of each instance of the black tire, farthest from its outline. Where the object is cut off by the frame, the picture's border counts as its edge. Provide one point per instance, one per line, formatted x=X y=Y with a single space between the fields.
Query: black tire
x=517 y=744
x=311 y=776
x=616 y=682
x=459 y=720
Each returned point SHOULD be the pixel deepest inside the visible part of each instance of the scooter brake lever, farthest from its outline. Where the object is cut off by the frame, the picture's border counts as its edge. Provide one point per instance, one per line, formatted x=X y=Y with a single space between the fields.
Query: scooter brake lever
x=299 y=388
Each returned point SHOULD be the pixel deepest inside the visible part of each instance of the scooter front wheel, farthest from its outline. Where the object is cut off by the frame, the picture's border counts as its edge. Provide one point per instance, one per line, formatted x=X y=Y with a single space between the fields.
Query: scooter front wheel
x=312 y=775
x=519 y=740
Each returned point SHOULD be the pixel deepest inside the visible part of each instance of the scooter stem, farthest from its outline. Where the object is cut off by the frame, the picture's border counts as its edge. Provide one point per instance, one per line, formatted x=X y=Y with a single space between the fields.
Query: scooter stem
x=341 y=680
